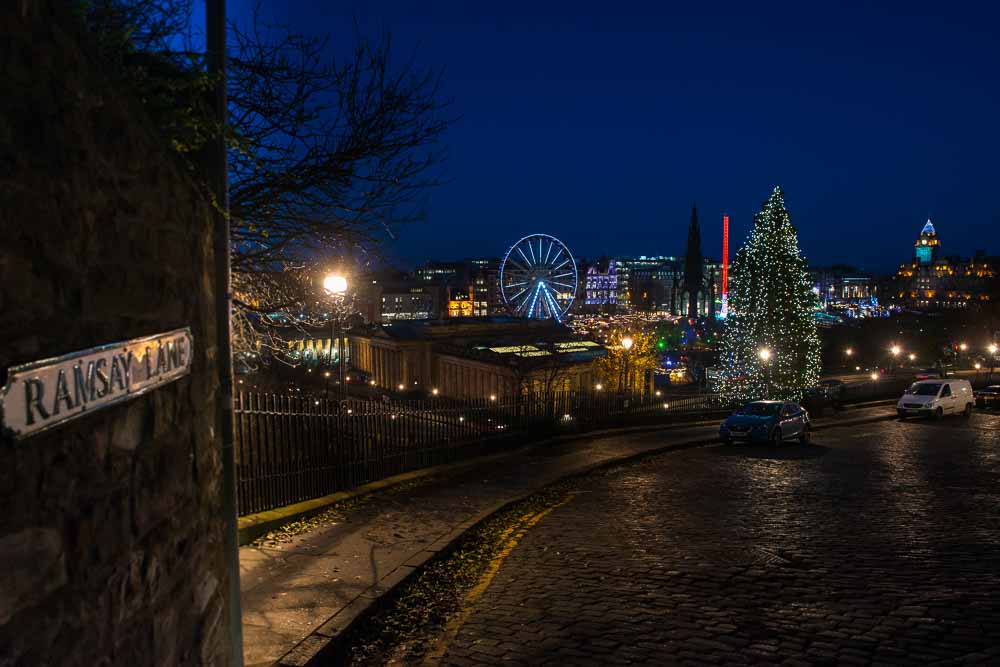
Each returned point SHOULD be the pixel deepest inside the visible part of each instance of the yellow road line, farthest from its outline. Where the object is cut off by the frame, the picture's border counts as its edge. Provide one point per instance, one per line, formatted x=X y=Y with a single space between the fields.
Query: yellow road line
x=512 y=536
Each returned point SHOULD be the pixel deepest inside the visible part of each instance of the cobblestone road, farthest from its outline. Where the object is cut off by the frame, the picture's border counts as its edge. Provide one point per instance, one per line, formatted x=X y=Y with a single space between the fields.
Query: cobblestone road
x=877 y=544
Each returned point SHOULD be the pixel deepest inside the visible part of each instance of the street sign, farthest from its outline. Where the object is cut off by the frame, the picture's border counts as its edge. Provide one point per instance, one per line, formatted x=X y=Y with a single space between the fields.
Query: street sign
x=46 y=393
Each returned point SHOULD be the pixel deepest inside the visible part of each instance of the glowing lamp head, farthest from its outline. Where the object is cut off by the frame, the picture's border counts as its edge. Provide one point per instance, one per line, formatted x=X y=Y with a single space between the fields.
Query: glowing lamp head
x=401 y=387
x=963 y=347
x=978 y=365
x=627 y=342
x=335 y=284
x=874 y=376
x=992 y=349
x=434 y=391
x=598 y=386
x=912 y=356
x=895 y=350
x=848 y=351
x=765 y=355
x=493 y=397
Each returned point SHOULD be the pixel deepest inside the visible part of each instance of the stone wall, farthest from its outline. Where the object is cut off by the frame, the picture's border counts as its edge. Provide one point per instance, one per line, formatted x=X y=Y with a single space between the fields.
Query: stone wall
x=111 y=528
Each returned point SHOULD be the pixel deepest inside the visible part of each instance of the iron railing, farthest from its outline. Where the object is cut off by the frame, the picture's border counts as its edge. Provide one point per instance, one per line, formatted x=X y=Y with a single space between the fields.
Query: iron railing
x=294 y=448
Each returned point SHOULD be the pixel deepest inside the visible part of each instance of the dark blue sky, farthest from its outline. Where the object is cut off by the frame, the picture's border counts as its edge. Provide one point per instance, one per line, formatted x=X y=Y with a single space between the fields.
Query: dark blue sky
x=600 y=123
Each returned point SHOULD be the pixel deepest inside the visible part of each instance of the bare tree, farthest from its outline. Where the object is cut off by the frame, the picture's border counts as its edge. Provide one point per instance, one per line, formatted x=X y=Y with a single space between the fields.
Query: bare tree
x=326 y=155
x=329 y=156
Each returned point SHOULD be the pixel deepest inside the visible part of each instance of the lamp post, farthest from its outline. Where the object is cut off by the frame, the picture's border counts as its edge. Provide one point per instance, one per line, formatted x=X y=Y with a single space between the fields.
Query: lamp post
x=993 y=356
x=626 y=345
x=962 y=348
x=765 y=358
x=335 y=286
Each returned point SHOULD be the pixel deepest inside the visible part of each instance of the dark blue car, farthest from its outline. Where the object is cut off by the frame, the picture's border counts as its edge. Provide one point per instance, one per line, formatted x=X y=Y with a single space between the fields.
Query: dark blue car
x=767 y=421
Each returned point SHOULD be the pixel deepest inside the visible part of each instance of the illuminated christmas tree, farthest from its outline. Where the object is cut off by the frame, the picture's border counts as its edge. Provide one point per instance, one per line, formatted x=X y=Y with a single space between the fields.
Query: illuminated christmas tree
x=770 y=346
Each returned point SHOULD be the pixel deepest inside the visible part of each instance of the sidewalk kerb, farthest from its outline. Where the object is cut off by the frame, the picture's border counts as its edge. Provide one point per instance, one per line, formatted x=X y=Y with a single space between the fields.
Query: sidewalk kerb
x=326 y=643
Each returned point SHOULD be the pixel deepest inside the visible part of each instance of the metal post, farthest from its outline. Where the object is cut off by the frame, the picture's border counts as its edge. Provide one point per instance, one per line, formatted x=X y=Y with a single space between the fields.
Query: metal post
x=340 y=352
x=215 y=29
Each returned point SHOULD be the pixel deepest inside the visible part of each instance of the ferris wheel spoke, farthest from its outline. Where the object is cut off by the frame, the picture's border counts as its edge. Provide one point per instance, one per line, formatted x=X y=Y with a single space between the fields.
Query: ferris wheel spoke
x=562 y=264
x=526 y=260
x=548 y=252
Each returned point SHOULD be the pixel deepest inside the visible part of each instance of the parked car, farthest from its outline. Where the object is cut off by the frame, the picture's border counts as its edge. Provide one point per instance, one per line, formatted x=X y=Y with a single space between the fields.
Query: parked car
x=767 y=421
x=988 y=397
x=929 y=373
x=826 y=394
x=936 y=398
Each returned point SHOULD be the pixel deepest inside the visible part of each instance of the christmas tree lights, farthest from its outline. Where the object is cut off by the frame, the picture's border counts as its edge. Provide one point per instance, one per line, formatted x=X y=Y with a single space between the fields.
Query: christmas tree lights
x=771 y=307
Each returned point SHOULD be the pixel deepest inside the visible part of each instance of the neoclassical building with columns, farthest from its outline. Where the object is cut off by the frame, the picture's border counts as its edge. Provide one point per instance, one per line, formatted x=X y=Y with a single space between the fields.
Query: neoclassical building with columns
x=473 y=358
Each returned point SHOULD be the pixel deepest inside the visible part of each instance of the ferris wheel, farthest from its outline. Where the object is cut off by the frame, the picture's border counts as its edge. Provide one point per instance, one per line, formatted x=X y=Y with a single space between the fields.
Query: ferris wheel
x=538 y=278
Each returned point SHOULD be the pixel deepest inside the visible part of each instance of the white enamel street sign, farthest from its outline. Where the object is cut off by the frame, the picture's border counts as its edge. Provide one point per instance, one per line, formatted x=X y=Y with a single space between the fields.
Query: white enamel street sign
x=45 y=393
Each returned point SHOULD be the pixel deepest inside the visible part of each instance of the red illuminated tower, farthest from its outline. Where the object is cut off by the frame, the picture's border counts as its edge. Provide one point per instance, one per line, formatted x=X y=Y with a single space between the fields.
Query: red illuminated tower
x=725 y=265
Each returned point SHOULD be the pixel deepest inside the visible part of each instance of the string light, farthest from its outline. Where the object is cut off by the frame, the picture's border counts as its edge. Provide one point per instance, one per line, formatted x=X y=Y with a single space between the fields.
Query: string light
x=771 y=307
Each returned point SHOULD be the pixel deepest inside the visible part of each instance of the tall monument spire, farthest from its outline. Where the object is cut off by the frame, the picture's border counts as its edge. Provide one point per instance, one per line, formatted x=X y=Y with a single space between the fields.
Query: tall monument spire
x=694 y=272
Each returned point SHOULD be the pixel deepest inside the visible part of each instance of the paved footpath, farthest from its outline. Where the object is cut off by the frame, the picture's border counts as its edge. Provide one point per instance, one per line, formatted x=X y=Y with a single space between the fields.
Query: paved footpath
x=877 y=544
x=289 y=590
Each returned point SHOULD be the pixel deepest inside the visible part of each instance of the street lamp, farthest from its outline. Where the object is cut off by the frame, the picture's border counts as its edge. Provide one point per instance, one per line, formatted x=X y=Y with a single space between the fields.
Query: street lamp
x=912 y=356
x=895 y=353
x=627 y=343
x=993 y=357
x=765 y=357
x=335 y=286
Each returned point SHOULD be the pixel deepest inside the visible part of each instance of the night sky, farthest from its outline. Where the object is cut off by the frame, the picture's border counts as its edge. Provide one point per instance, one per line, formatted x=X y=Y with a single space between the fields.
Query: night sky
x=601 y=123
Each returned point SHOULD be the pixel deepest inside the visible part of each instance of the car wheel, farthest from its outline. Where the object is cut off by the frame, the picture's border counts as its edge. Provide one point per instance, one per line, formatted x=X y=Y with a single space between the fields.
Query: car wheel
x=901 y=415
x=776 y=436
x=804 y=436
x=968 y=410
x=939 y=414
x=725 y=439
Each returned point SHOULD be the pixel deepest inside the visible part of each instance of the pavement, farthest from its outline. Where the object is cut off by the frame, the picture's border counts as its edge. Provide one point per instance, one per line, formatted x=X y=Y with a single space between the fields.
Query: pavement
x=875 y=544
x=298 y=596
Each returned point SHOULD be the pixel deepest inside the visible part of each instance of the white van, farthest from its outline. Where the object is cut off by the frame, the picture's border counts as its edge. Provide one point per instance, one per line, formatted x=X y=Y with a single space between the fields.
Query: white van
x=936 y=398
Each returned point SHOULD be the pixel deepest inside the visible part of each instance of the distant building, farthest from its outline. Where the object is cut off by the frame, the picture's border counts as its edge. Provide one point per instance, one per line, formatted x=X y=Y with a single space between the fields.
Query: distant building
x=845 y=289
x=475 y=358
x=472 y=286
x=931 y=281
x=601 y=287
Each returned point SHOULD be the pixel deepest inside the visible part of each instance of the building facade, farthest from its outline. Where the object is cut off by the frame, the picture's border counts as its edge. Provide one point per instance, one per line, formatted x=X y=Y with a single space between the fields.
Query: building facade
x=933 y=281
x=475 y=358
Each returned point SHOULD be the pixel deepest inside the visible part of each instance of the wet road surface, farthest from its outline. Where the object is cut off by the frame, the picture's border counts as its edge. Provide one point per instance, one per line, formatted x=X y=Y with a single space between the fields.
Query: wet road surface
x=875 y=544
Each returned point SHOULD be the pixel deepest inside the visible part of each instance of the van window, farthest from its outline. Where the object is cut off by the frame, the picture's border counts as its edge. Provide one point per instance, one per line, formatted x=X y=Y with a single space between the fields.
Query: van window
x=946 y=390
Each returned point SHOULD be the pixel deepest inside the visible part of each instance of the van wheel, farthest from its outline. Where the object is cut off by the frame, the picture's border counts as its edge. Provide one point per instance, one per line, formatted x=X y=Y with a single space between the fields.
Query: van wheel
x=939 y=414
x=968 y=410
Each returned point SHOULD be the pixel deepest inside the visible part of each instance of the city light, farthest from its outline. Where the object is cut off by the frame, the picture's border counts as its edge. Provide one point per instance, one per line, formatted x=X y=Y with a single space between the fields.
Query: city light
x=493 y=397
x=658 y=392
x=372 y=383
x=978 y=365
x=627 y=343
x=895 y=350
x=598 y=386
x=335 y=284
x=764 y=354
x=326 y=374
x=992 y=348
x=912 y=356
x=874 y=376
x=434 y=391
x=963 y=347
x=401 y=387
x=848 y=351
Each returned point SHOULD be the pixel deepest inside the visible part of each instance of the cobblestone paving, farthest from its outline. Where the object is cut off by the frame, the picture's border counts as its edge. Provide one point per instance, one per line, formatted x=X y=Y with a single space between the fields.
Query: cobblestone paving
x=877 y=544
